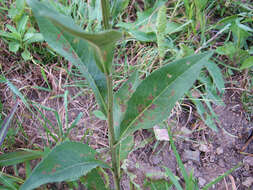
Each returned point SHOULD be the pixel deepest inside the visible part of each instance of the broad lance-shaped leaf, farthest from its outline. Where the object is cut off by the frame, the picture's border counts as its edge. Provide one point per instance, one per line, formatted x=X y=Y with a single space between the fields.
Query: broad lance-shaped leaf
x=157 y=94
x=121 y=98
x=13 y=158
x=103 y=43
x=67 y=161
x=119 y=108
x=73 y=48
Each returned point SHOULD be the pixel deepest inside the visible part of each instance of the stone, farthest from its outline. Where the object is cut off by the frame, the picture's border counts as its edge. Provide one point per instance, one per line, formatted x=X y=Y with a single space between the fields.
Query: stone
x=248 y=182
x=219 y=150
x=191 y=155
x=248 y=160
x=201 y=181
x=203 y=148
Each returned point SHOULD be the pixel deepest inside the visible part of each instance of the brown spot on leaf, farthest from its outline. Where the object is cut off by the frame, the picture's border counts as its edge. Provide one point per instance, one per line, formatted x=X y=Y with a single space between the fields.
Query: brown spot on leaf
x=74 y=55
x=140 y=107
x=130 y=87
x=169 y=76
x=104 y=55
x=122 y=107
x=44 y=172
x=58 y=36
x=66 y=48
x=53 y=170
x=172 y=93
x=150 y=97
x=82 y=155
x=188 y=63
x=152 y=107
x=140 y=119
x=75 y=40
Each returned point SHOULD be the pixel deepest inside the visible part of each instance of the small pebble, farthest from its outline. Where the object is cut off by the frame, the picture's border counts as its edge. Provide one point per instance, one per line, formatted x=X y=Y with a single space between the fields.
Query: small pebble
x=202 y=181
x=203 y=148
x=219 y=150
x=248 y=182
x=248 y=160
x=212 y=158
x=191 y=155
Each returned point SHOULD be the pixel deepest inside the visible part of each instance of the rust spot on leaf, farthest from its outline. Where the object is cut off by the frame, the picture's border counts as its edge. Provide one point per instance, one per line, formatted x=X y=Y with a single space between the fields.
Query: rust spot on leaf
x=150 y=97
x=152 y=107
x=66 y=48
x=58 y=36
x=122 y=107
x=75 y=40
x=130 y=87
x=140 y=119
x=172 y=93
x=169 y=76
x=44 y=172
x=83 y=155
x=136 y=123
x=53 y=170
x=104 y=55
x=140 y=107
x=188 y=63
x=74 y=55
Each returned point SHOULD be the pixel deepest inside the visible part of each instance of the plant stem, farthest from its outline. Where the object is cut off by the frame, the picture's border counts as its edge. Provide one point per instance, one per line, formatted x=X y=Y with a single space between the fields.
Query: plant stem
x=112 y=141
x=105 y=13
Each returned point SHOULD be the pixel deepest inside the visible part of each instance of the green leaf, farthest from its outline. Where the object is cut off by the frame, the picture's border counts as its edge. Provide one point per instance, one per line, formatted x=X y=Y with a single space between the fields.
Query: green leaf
x=33 y=37
x=102 y=43
x=117 y=7
x=157 y=94
x=216 y=74
x=21 y=28
x=95 y=180
x=26 y=55
x=157 y=185
x=161 y=28
x=144 y=29
x=125 y=147
x=67 y=161
x=205 y=116
x=174 y=179
x=120 y=100
x=14 y=47
x=99 y=115
x=247 y=63
x=5 y=125
x=13 y=158
x=227 y=49
x=17 y=10
x=74 y=49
